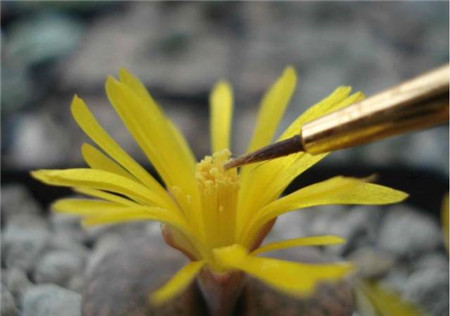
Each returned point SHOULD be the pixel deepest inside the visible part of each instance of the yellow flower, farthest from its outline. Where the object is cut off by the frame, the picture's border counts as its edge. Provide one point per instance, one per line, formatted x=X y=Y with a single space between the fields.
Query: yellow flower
x=217 y=218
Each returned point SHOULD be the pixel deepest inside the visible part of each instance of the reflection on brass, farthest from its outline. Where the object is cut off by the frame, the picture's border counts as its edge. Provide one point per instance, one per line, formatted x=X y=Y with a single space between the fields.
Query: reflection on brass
x=415 y=104
x=419 y=103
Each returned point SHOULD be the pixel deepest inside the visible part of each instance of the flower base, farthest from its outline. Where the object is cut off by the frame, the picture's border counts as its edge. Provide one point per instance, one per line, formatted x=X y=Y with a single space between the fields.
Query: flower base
x=120 y=282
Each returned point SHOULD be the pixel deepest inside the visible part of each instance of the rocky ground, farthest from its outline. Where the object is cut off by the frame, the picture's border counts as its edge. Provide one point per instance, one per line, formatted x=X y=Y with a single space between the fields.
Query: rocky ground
x=46 y=256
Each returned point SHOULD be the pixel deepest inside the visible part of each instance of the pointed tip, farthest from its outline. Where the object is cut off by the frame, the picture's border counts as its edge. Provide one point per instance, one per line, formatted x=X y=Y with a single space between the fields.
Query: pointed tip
x=34 y=174
x=276 y=150
x=76 y=104
x=124 y=74
x=39 y=174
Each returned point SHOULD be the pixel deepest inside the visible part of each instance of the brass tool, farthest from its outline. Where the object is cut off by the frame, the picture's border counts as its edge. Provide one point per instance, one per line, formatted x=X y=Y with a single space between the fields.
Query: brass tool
x=415 y=104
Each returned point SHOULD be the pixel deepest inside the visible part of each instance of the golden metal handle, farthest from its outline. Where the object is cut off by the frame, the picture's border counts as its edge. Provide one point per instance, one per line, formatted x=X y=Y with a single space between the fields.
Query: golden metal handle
x=415 y=104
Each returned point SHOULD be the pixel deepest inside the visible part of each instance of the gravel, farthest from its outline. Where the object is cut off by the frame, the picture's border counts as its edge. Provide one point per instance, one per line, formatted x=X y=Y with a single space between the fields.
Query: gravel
x=8 y=305
x=408 y=233
x=24 y=239
x=429 y=289
x=16 y=280
x=59 y=267
x=51 y=300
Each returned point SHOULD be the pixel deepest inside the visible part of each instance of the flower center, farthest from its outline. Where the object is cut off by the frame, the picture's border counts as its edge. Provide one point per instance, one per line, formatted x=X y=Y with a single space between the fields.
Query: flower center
x=219 y=193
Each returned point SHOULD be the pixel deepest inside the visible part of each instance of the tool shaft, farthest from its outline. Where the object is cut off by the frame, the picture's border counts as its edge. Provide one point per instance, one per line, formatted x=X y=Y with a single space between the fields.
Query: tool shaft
x=418 y=103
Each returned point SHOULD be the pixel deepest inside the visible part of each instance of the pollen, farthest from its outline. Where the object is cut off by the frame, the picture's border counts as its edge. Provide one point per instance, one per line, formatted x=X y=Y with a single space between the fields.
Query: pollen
x=219 y=191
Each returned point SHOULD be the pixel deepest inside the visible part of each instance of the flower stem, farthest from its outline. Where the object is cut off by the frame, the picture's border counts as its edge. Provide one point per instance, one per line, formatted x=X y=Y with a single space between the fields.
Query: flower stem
x=221 y=291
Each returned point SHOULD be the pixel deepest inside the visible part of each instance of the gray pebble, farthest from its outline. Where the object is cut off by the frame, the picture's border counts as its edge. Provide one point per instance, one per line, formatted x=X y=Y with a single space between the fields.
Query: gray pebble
x=429 y=289
x=104 y=245
x=51 y=300
x=62 y=240
x=396 y=278
x=8 y=306
x=59 y=267
x=408 y=233
x=42 y=37
x=24 y=240
x=16 y=281
x=435 y=260
x=372 y=263
x=17 y=200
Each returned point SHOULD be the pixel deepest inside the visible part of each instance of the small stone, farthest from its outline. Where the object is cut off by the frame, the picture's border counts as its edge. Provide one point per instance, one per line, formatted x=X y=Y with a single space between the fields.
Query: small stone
x=24 y=240
x=16 y=281
x=17 y=200
x=328 y=299
x=62 y=240
x=372 y=263
x=42 y=38
x=16 y=89
x=121 y=280
x=124 y=230
x=429 y=288
x=41 y=128
x=105 y=245
x=435 y=260
x=8 y=306
x=408 y=233
x=396 y=278
x=76 y=283
x=59 y=267
x=51 y=300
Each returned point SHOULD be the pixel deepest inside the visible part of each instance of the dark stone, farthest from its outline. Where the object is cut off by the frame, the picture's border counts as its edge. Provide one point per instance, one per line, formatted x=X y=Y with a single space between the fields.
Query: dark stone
x=120 y=282
x=329 y=299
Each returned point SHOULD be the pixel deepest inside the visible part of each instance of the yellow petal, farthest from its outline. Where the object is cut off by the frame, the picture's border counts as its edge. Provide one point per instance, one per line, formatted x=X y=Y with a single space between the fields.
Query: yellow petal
x=85 y=207
x=297 y=242
x=92 y=128
x=105 y=196
x=149 y=128
x=139 y=89
x=103 y=180
x=272 y=108
x=221 y=107
x=337 y=190
x=262 y=183
x=113 y=216
x=338 y=99
x=97 y=160
x=136 y=86
x=96 y=212
x=292 y=278
x=374 y=300
x=177 y=283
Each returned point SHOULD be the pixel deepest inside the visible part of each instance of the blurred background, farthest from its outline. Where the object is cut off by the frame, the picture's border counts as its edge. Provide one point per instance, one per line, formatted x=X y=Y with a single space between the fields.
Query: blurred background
x=53 y=50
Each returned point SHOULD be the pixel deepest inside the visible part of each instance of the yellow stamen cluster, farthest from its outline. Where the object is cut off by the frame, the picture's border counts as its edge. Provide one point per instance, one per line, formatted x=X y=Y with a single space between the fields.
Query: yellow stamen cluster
x=219 y=194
